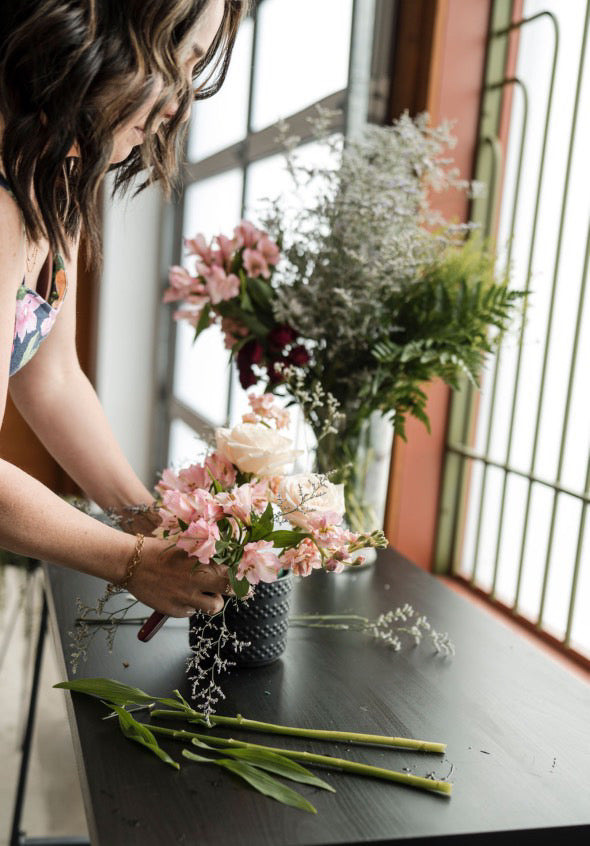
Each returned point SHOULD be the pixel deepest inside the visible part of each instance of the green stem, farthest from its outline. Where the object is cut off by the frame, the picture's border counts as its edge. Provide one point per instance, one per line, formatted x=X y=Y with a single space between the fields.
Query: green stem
x=314 y=734
x=309 y=757
x=319 y=617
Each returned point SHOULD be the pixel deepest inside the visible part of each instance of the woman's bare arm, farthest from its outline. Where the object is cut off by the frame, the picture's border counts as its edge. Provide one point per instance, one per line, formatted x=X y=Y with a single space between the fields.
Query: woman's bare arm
x=59 y=403
x=36 y=522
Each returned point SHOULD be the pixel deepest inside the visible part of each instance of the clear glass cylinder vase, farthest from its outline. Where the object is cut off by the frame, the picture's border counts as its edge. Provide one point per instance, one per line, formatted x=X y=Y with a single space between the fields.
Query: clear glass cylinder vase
x=361 y=457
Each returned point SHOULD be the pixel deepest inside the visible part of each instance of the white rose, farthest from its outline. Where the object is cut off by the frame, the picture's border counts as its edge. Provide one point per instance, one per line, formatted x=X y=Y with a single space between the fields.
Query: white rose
x=255 y=448
x=312 y=492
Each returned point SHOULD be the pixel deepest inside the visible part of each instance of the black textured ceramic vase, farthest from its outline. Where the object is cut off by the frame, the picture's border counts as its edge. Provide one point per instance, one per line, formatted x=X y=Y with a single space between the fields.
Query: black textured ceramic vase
x=263 y=621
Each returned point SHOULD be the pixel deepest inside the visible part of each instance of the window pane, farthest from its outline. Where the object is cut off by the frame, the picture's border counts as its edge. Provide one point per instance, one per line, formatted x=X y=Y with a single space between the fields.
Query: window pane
x=201 y=374
x=268 y=178
x=221 y=120
x=213 y=205
x=302 y=55
x=185 y=446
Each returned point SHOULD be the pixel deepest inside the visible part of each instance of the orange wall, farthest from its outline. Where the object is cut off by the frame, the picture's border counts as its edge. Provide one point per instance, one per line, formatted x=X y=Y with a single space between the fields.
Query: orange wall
x=456 y=32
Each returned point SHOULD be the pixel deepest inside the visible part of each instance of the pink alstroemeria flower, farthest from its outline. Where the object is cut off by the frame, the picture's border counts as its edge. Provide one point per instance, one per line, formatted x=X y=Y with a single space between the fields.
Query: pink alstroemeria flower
x=227 y=248
x=182 y=285
x=221 y=286
x=199 y=540
x=189 y=314
x=255 y=264
x=246 y=234
x=258 y=563
x=269 y=250
x=175 y=505
x=303 y=558
x=169 y=481
x=237 y=503
x=25 y=320
x=222 y=470
x=206 y=506
x=327 y=530
x=194 y=478
x=198 y=246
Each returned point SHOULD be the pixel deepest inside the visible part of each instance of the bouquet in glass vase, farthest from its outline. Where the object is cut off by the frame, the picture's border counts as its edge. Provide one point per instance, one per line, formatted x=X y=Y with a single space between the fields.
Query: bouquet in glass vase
x=349 y=301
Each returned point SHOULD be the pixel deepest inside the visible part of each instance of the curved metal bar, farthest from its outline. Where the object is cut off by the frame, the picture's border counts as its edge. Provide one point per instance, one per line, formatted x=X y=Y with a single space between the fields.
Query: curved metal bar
x=578 y=561
x=503 y=83
x=552 y=301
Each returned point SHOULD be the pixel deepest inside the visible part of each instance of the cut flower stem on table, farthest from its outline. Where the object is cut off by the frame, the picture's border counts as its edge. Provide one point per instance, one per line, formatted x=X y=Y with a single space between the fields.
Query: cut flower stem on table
x=250 y=761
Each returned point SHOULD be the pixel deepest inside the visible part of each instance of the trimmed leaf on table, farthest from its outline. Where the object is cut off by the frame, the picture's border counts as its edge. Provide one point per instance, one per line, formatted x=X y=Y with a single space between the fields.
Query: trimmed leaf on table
x=140 y=733
x=260 y=781
x=116 y=692
x=271 y=761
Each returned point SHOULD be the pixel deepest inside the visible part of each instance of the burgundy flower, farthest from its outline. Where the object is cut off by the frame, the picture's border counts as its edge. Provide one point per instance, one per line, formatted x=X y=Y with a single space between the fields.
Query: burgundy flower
x=298 y=356
x=280 y=336
x=251 y=353
x=247 y=377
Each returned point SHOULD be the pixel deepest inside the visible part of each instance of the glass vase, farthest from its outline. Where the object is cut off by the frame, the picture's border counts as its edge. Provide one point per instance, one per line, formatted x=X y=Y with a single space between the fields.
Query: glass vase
x=360 y=455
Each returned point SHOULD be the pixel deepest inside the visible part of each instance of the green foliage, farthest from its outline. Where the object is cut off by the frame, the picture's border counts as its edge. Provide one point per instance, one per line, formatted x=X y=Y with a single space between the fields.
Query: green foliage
x=139 y=733
x=388 y=292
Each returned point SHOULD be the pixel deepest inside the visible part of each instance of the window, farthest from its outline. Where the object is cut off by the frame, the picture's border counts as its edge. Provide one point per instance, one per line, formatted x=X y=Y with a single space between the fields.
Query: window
x=279 y=69
x=527 y=468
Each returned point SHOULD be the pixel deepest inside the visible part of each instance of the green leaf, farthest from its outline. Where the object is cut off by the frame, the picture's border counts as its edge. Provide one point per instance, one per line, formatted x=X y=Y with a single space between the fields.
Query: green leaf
x=261 y=294
x=133 y=730
x=262 y=525
x=286 y=537
x=268 y=785
x=239 y=586
x=275 y=763
x=271 y=761
x=109 y=689
x=245 y=300
x=115 y=692
x=260 y=781
x=182 y=524
x=203 y=320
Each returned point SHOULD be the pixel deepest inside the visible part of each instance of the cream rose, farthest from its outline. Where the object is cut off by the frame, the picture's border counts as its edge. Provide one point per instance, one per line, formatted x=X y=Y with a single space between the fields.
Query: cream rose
x=314 y=493
x=255 y=448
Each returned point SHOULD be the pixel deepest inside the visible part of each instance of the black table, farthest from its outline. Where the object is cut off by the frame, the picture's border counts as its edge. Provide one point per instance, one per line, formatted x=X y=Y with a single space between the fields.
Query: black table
x=516 y=724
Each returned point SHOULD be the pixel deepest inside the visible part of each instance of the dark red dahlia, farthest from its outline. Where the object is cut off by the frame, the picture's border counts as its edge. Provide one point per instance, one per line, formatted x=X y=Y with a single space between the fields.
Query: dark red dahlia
x=251 y=353
x=280 y=336
x=298 y=356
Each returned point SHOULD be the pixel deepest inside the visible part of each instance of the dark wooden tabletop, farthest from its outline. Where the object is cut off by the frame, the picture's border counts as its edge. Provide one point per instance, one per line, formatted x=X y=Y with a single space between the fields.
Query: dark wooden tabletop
x=516 y=724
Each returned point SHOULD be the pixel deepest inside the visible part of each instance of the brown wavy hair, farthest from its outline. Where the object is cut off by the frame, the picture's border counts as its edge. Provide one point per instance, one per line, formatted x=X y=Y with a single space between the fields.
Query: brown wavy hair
x=72 y=72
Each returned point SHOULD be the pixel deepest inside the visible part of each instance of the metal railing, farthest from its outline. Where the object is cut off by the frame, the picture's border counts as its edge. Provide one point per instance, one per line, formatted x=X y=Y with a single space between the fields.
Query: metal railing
x=461 y=456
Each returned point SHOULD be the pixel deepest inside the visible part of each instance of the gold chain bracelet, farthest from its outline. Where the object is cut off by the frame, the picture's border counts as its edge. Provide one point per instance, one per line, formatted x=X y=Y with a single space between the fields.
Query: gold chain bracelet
x=132 y=565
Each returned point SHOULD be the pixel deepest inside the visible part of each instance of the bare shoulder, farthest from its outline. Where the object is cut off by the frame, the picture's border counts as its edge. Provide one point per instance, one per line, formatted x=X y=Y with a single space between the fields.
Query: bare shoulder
x=12 y=242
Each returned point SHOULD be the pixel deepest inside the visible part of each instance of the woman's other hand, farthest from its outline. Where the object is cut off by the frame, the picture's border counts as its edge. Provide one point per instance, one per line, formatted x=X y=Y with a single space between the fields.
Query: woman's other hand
x=135 y=518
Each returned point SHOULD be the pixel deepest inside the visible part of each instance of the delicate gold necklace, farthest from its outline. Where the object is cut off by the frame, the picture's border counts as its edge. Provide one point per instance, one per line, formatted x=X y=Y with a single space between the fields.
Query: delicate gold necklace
x=30 y=261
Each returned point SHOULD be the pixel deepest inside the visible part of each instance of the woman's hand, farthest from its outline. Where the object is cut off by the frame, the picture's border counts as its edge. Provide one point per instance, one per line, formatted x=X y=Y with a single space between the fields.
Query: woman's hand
x=135 y=518
x=174 y=584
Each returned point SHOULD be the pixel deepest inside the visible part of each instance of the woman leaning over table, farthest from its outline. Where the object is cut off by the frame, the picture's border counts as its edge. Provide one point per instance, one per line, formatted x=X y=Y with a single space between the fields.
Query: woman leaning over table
x=88 y=86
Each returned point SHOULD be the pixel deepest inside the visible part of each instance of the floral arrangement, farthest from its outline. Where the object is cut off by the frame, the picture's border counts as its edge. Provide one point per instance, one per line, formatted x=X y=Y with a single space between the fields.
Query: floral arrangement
x=232 y=287
x=351 y=302
x=226 y=509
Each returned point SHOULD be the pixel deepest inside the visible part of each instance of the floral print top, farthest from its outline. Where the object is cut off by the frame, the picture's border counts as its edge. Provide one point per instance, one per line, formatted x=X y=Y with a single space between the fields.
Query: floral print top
x=34 y=315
